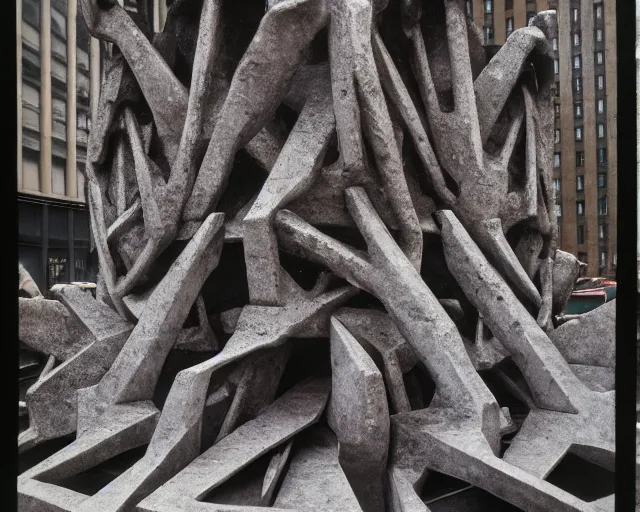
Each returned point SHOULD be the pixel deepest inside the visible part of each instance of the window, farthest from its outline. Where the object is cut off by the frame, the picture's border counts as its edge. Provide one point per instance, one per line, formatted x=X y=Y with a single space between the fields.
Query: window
x=579 y=133
x=577 y=84
x=576 y=62
x=602 y=155
x=57 y=266
x=599 y=58
x=488 y=34
x=602 y=206
x=599 y=12
x=601 y=233
x=574 y=15
x=469 y=11
x=508 y=4
x=603 y=259
x=557 y=108
x=576 y=39
x=557 y=136
x=580 y=232
x=579 y=158
x=602 y=180
x=555 y=44
x=578 y=108
x=82 y=121
x=599 y=35
x=509 y=26
x=579 y=182
x=556 y=160
x=600 y=106
x=556 y=185
x=600 y=131
x=558 y=210
x=31 y=13
x=488 y=8
x=582 y=257
x=600 y=82
x=580 y=207
x=556 y=67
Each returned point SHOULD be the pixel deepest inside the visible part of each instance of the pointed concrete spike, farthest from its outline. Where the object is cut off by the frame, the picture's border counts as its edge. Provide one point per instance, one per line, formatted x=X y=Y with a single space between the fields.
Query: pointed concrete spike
x=359 y=415
x=274 y=473
x=553 y=383
x=315 y=480
x=291 y=413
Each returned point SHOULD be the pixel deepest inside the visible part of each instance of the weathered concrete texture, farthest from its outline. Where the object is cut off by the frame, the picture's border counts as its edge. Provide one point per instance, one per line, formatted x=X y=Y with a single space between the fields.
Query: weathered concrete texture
x=310 y=204
x=589 y=339
x=380 y=338
x=52 y=401
x=547 y=373
x=315 y=480
x=294 y=411
x=566 y=269
x=359 y=415
x=46 y=326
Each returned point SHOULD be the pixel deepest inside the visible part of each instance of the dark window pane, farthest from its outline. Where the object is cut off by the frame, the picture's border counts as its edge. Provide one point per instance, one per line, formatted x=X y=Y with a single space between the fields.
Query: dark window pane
x=31 y=259
x=81 y=225
x=31 y=12
x=81 y=264
x=58 y=223
x=57 y=267
x=30 y=220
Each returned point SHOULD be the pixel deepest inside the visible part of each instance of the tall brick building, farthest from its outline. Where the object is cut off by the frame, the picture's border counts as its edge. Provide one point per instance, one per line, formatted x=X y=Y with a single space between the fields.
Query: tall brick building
x=585 y=174
x=58 y=83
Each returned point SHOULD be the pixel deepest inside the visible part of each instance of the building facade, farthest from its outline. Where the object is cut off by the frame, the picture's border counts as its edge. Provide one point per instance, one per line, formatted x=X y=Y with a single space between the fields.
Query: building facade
x=59 y=69
x=585 y=160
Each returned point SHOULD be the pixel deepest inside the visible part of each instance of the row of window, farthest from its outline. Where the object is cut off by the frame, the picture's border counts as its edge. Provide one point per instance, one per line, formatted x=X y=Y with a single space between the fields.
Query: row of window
x=602 y=208
x=602 y=230
x=488 y=9
x=602 y=183
x=576 y=38
x=577 y=81
x=578 y=108
x=508 y=5
x=582 y=256
x=578 y=133
x=575 y=15
x=602 y=158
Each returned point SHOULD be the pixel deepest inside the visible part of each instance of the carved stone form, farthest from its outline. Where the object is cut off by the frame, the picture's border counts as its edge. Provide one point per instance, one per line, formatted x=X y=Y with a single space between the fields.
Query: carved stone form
x=269 y=202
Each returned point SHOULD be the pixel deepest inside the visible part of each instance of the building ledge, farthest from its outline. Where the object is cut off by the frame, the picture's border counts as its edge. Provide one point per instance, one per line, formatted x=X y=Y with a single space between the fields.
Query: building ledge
x=35 y=196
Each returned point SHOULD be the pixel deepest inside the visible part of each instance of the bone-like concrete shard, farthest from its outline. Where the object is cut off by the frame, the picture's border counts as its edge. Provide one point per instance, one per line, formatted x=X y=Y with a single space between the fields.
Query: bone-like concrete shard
x=507 y=318
x=268 y=59
x=377 y=333
x=291 y=175
x=566 y=269
x=47 y=327
x=387 y=273
x=287 y=416
x=273 y=476
x=315 y=480
x=359 y=415
x=52 y=401
x=590 y=338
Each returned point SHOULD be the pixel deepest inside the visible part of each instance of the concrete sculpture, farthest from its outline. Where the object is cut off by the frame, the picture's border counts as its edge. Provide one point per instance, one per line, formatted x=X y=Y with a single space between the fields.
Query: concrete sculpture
x=328 y=272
